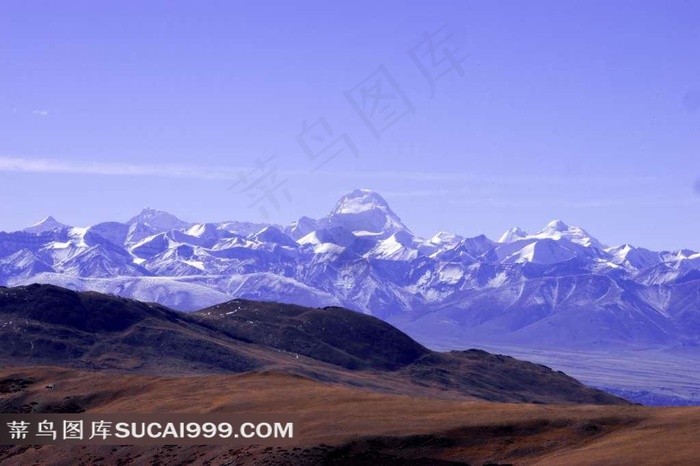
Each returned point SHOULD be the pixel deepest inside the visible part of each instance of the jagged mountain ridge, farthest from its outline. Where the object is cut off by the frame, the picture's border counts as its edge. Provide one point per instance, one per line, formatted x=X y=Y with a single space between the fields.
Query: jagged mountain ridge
x=559 y=286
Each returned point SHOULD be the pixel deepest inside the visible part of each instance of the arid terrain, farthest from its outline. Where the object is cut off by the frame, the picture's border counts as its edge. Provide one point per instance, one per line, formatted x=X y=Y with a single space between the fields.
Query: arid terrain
x=344 y=426
x=362 y=392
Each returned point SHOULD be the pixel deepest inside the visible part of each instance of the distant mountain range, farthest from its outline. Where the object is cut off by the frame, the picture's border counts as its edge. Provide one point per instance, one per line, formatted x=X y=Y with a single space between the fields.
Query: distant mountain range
x=557 y=288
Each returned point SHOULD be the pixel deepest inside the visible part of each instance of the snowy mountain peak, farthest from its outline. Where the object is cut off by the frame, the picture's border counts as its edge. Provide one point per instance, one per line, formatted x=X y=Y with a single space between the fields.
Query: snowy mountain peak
x=201 y=230
x=512 y=235
x=556 y=229
x=366 y=213
x=147 y=213
x=556 y=225
x=445 y=238
x=158 y=219
x=271 y=234
x=360 y=200
x=48 y=224
x=633 y=257
x=621 y=251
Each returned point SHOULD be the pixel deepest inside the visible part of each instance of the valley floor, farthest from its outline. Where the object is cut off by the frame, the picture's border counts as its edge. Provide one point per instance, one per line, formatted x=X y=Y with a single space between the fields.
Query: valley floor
x=651 y=377
x=346 y=426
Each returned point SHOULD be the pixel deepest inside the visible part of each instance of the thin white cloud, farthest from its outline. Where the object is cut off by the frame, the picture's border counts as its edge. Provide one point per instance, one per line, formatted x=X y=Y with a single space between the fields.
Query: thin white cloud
x=20 y=164
x=594 y=203
x=41 y=113
x=526 y=179
x=34 y=165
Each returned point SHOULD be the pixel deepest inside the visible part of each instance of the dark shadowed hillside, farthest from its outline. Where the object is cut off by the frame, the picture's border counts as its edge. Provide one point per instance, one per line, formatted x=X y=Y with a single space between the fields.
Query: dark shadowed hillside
x=333 y=334
x=47 y=325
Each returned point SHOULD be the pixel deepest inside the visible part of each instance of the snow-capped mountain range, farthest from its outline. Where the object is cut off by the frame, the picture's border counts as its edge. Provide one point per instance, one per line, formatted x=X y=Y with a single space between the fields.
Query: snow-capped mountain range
x=559 y=287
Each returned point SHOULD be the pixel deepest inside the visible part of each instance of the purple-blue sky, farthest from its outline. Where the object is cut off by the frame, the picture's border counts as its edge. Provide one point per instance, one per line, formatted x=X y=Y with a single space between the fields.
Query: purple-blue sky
x=588 y=111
